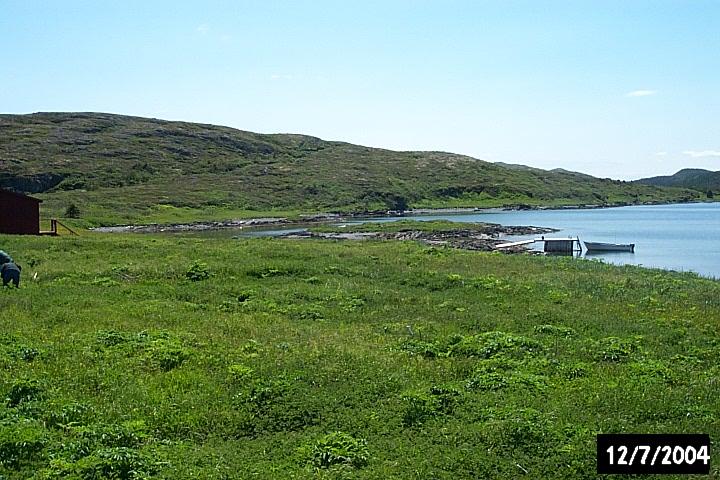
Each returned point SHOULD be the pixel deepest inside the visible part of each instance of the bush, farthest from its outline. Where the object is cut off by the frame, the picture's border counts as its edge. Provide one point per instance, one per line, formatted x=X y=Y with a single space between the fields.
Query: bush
x=489 y=344
x=240 y=373
x=116 y=463
x=198 y=271
x=424 y=349
x=18 y=443
x=23 y=352
x=64 y=416
x=422 y=405
x=277 y=406
x=168 y=354
x=161 y=347
x=614 y=349
x=555 y=330
x=24 y=390
x=336 y=449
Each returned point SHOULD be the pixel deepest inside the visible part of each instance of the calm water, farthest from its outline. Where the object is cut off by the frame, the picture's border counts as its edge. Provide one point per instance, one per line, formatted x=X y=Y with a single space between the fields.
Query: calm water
x=676 y=237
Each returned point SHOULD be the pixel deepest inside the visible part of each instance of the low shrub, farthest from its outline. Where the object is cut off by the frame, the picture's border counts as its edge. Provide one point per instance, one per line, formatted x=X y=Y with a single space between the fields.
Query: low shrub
x=198 y=271
x=555 y=330
x=489 y=344
x=425 y=404
x=277 y=406
x=20 y=442
x=336 y=448
x=24 y=390
x=615 y=349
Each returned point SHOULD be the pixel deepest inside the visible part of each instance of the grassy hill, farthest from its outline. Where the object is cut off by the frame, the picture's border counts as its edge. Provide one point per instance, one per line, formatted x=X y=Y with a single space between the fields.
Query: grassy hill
x=120 y=169
x=696 y=178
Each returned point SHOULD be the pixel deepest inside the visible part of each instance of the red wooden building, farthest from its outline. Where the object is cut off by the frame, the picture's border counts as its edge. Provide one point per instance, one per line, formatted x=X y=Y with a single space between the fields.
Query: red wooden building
x=19 y=214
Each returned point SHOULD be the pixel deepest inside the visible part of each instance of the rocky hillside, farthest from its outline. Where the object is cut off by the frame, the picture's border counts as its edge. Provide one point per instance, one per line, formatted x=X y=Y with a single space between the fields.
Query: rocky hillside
x=132 y=164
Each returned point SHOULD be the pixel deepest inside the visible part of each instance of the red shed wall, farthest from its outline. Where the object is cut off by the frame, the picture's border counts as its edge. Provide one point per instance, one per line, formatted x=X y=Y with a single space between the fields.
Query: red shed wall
x=19 y=214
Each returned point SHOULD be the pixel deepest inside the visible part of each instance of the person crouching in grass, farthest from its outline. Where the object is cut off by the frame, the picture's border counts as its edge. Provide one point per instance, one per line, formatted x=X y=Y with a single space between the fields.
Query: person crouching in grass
x=10 y=271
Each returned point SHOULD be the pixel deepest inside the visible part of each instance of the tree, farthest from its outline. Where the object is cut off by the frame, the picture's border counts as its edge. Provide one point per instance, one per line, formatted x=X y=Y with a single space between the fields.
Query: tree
x=396 y=203
x=72 y=211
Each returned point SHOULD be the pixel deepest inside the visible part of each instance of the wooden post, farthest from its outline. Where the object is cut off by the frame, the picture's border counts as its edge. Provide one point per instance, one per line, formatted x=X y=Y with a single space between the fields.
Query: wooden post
x=64 y=226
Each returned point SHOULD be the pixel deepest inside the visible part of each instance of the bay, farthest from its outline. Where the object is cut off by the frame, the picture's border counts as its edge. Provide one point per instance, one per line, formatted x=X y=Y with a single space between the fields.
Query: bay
x=680 y=237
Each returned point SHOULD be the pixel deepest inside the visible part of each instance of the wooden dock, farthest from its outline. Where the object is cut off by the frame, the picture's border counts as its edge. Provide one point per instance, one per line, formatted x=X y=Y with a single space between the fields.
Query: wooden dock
x=551 y=245
x=517 y=244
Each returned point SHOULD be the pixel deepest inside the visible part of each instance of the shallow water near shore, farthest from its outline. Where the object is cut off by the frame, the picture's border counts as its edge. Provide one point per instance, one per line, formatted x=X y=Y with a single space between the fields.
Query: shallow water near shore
x=682 y=237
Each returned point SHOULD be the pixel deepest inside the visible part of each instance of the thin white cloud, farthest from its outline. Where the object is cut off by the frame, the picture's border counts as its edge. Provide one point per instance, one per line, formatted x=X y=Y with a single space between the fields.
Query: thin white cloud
x=203 y=28
x=661 y=154
x=700 y=154
x=641 y=93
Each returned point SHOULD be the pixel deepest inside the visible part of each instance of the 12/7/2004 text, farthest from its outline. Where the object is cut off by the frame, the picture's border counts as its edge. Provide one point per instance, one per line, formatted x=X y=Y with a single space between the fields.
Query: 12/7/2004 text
x=644 y=453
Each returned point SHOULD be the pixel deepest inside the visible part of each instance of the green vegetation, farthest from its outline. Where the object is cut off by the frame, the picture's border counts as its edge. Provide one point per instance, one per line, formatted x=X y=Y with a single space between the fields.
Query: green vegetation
x=111 y=169
x=134 y=356
x=696 y=178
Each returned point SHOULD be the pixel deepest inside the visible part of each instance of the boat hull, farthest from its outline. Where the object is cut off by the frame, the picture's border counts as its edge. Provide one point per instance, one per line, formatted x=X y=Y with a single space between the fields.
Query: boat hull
x=609 y=247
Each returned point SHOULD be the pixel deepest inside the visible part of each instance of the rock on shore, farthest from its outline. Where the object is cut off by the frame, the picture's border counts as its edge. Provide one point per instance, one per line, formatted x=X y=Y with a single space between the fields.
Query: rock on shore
x=483 y=239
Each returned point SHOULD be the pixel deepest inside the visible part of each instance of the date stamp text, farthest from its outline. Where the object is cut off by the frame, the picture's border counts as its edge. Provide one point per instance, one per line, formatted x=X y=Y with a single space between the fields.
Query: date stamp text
x=645 y=453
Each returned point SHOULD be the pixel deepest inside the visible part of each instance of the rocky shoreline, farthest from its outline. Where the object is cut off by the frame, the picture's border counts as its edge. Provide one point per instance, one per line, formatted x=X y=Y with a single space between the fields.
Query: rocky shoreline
x=308 y=219
x=486 y=238
x=334 y=217
x=197 y=226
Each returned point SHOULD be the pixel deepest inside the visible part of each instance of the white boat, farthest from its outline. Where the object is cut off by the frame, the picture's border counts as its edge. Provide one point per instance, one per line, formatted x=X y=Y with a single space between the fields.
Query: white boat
x=609 y=247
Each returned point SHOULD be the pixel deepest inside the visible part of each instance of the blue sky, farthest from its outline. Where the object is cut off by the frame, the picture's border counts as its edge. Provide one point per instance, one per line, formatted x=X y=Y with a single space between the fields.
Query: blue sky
x=619 y=89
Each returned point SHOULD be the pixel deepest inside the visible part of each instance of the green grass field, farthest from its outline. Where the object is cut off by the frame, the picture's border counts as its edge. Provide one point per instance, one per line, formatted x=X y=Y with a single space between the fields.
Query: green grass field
x=132 y=356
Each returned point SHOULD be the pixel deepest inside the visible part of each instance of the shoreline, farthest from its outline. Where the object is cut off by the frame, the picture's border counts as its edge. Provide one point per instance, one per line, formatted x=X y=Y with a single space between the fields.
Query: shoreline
x=486 y=238
x=318 y=218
